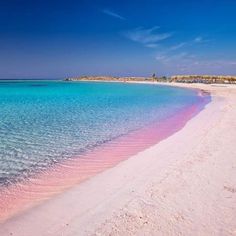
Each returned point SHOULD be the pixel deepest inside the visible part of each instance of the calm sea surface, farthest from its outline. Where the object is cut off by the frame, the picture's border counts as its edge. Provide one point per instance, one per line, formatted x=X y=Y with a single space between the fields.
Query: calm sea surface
x=45 y=122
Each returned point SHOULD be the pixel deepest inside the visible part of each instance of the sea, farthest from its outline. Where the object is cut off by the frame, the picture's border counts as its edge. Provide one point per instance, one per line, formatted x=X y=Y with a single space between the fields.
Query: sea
x=46 y=124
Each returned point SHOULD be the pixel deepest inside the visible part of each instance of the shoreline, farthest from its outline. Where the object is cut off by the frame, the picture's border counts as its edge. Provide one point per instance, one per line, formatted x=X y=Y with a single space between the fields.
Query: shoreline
x=167 y=189
x=18 y=198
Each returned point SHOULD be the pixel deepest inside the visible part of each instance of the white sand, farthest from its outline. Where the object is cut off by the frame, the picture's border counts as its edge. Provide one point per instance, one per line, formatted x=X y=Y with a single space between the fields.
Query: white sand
x=185 y=185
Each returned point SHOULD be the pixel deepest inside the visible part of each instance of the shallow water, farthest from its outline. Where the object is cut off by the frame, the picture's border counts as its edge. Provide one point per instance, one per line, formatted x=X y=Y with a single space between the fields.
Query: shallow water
x=47 y=122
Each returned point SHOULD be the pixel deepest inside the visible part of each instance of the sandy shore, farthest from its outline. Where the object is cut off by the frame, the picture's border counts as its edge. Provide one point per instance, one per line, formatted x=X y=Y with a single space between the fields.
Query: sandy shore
x=185 y=185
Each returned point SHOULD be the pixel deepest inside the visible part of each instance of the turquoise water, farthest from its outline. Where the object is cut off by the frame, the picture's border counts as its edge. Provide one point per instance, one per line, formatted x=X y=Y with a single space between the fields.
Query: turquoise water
x=45 y=122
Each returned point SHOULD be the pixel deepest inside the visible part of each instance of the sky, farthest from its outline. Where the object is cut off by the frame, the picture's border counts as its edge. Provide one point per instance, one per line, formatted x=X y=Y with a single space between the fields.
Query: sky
x=64 y=38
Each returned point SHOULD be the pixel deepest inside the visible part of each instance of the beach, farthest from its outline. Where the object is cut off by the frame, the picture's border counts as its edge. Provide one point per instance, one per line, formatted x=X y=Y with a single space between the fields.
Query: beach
x=184 y=185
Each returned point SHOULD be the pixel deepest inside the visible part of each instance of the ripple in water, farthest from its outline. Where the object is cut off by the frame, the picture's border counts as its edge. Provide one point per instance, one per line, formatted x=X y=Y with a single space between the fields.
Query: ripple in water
x=45 y=123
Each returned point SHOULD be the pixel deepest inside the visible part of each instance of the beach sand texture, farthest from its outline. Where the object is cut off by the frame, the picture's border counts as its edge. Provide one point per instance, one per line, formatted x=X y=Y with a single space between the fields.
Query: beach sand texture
x=185 y=185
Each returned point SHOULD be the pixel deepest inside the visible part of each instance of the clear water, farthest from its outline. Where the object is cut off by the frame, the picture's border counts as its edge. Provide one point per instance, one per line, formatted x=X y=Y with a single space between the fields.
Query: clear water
x=45 y=122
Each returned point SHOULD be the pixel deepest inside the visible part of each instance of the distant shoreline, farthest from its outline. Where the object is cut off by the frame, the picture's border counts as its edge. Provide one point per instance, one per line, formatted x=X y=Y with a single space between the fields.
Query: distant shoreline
x=205 y=79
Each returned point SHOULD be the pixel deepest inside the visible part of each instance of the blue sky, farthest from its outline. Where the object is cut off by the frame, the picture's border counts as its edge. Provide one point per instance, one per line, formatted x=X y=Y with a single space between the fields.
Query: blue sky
x=56 y=39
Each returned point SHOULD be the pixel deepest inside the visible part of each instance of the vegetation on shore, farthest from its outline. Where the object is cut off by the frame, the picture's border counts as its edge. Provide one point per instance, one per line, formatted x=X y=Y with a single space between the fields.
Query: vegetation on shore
x=118 y=79
x=208 y=79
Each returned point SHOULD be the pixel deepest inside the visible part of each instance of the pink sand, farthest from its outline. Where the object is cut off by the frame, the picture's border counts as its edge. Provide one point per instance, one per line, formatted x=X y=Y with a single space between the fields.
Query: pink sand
x=184 y=185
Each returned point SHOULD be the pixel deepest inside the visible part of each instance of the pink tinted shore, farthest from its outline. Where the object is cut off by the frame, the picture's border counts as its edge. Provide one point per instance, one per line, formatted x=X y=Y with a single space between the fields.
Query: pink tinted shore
x=57 y=179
